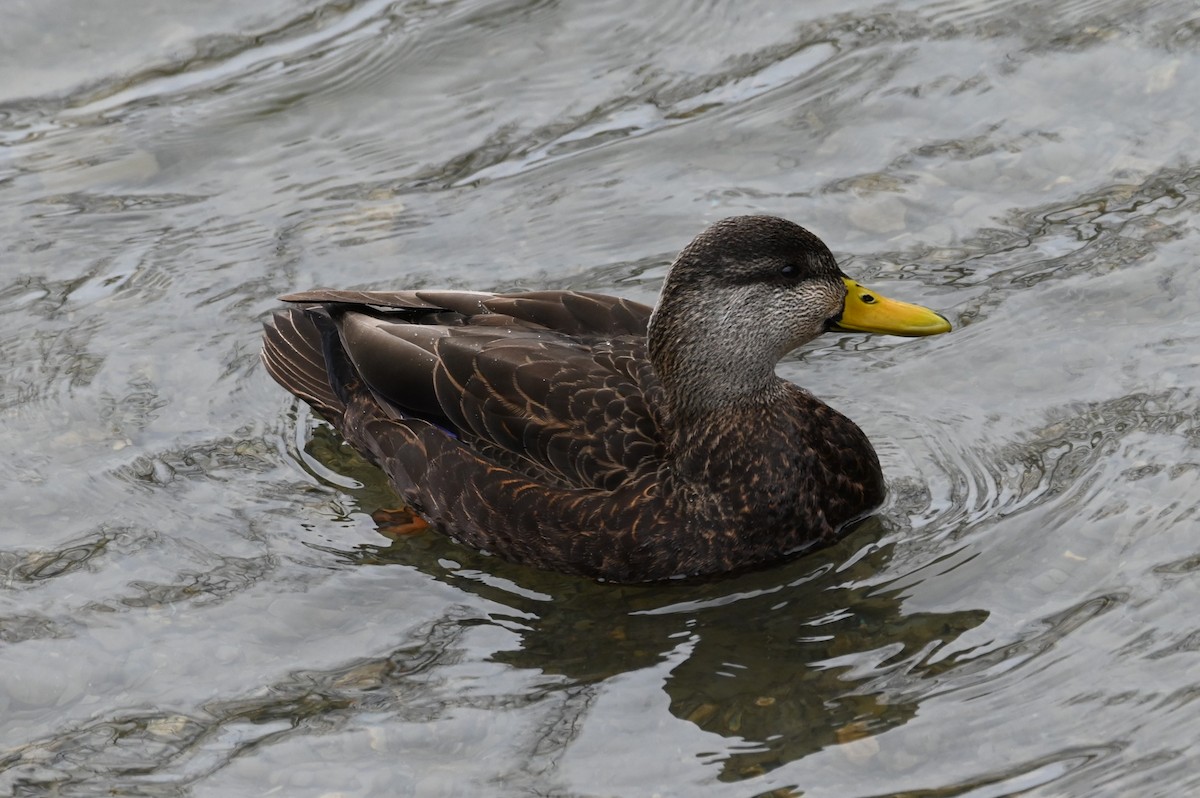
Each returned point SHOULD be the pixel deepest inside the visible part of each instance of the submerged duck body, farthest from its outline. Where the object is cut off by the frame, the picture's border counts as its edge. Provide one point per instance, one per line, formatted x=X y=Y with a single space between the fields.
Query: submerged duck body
x=594 y=435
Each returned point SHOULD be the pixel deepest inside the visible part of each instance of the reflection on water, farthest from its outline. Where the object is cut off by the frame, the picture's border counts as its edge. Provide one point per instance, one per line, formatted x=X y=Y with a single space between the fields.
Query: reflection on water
x=196 y=598
x=782 y=664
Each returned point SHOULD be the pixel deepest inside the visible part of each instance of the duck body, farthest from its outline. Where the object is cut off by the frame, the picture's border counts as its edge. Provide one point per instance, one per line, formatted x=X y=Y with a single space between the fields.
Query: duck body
x=594 y=435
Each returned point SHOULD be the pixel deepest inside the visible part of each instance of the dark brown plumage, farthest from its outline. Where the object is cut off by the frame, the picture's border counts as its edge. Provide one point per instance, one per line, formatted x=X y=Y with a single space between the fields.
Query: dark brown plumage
x=584 y=433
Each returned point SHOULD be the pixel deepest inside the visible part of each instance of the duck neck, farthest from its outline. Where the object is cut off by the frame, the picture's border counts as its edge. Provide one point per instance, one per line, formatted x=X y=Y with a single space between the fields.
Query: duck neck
x=709 y=369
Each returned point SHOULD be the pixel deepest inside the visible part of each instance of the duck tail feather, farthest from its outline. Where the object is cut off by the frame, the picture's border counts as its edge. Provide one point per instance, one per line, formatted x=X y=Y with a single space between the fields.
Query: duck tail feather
x=302 y=352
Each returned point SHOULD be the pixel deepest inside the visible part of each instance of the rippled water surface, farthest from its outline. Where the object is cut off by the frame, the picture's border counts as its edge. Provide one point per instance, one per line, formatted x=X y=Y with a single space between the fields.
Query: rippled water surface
x=194 y=597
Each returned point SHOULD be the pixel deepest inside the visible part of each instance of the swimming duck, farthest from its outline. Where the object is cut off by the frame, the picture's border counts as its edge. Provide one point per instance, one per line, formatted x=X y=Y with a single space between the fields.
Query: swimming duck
x=597 y=436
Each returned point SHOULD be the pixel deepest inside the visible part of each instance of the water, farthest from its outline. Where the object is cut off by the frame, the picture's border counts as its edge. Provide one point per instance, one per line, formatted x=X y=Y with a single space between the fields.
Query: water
x=195 y=599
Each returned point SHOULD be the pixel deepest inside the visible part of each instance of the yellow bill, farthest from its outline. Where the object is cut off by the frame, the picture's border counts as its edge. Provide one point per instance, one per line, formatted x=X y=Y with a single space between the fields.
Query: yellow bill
x=867 y=311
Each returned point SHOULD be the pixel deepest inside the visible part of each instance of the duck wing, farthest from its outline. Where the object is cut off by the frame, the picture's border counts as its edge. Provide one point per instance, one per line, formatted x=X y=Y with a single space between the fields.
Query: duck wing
x=569 y=312
x=551 y=385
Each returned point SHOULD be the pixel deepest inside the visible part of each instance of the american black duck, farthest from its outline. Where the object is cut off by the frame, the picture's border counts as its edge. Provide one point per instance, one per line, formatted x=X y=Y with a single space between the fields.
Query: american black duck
x=597 y=436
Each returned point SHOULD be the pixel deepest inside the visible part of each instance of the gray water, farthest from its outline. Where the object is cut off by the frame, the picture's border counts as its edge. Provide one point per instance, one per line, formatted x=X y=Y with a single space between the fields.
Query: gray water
x=194 y=597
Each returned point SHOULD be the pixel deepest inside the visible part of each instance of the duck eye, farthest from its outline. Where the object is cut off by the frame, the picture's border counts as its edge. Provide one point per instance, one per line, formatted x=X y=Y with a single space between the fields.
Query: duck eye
x=789 y=270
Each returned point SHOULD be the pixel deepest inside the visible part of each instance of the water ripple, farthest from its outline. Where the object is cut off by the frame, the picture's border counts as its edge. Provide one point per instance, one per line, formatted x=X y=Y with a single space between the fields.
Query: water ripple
x=199 y=600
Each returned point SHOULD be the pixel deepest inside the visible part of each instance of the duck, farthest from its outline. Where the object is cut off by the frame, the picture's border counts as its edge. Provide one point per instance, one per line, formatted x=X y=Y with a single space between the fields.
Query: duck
x=597 y=436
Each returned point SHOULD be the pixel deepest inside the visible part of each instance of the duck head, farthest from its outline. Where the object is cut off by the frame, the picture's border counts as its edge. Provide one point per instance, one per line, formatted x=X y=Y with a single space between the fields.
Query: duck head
x=743 y=294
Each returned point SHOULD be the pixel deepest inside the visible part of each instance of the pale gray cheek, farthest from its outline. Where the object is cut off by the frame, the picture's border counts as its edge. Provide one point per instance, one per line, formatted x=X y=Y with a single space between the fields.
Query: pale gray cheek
x=808 y=311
